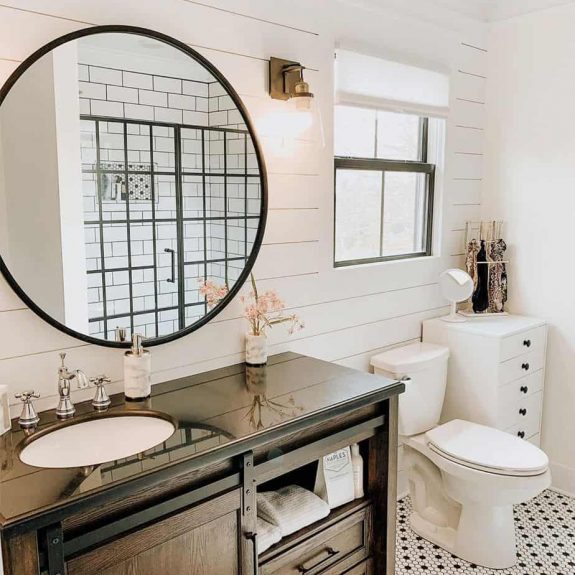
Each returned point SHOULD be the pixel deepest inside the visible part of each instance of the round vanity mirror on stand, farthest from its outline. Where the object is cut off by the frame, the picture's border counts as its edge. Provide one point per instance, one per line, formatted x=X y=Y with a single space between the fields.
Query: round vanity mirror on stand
x=456 y=286
x=130 y=174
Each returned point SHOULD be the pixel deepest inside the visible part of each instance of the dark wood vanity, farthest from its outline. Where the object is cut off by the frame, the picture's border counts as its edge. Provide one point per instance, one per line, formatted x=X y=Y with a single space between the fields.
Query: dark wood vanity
x=189 y=505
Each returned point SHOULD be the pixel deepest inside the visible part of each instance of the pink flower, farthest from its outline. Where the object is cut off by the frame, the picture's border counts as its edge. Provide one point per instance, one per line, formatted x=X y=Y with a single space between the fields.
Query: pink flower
x=213 y=292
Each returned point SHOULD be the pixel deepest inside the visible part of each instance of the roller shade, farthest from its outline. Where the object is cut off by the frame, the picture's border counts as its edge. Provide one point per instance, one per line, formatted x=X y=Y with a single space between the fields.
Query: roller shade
x=367 y=81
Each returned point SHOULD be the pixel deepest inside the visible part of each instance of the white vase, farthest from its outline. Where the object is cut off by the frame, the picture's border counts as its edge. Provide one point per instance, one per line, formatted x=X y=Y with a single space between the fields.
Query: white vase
x=256 y=349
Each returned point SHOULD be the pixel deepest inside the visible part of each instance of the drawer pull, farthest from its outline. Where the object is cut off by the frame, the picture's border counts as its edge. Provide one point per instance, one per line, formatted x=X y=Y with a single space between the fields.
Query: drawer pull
x=523 y=389
x=521 y=434
x=523 y=411
x=527 y=342
x=306 y=567
x=525 y=366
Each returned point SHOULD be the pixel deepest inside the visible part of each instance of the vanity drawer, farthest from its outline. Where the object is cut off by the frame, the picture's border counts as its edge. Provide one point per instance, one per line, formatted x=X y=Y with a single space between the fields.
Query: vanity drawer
x=524 y=342
x=521 y=366
x=345 y=542
x=528 y=422
x=515 y=396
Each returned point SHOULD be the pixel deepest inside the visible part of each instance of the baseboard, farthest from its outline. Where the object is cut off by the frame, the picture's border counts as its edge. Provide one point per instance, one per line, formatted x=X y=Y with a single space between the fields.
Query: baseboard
x=563 y=479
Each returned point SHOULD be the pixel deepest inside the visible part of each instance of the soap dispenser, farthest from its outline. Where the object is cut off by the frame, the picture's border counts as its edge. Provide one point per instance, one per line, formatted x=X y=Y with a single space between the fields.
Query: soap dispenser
x=137 y=370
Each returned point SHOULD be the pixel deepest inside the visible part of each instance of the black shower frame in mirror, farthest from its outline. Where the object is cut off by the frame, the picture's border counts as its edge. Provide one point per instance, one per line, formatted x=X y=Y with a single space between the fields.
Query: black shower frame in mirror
x=23 y=67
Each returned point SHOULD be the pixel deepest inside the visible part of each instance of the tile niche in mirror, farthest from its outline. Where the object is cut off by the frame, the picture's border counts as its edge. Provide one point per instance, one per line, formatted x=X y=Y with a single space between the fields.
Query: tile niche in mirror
x=129 y=175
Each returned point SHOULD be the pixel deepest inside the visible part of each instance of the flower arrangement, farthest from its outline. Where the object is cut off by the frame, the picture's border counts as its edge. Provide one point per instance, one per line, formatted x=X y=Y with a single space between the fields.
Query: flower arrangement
x=261 y=310
x=266 y=310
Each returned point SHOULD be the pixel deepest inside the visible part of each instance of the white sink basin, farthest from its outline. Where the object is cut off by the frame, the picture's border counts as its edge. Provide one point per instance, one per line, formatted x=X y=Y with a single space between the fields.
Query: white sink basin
x=96 y=441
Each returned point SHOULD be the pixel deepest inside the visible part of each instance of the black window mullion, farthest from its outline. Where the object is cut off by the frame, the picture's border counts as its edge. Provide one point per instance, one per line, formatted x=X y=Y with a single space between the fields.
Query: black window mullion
x=128 y=233
x=226 y=208
x=204 y=208
x=382 y=214
x=423 y=139
x=154 y=232
x=246 y=196
x=101 y=229
x=180 y=227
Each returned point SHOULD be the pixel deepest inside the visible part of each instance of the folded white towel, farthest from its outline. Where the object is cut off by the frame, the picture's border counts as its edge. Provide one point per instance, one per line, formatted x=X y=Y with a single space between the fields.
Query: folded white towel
x=291 y=508
x=268 y=535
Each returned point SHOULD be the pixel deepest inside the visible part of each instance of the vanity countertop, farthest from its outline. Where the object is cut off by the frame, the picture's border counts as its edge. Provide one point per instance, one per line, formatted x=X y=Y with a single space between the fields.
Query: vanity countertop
x=220 y=414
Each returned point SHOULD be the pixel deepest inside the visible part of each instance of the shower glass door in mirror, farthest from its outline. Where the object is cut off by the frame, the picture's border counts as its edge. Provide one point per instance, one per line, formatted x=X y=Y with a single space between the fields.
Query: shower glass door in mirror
x=129 y=176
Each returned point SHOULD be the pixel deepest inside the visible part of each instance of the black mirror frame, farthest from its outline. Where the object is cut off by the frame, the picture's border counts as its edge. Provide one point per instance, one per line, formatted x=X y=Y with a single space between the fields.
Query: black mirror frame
x=13 y=78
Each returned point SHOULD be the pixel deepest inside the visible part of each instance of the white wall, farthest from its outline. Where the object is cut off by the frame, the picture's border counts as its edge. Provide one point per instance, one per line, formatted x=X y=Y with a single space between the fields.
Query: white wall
x=349 y=313
x=530 y=183
x=31 y=186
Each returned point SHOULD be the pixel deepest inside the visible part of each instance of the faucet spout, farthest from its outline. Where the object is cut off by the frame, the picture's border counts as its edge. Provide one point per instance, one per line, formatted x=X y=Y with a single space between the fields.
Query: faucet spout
x=65 y=407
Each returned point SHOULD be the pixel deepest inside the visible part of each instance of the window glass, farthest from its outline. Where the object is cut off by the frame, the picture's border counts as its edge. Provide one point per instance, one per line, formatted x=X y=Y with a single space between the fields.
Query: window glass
x=354 y=132
x=398 y=136
x=358 y=214
x=404 y=207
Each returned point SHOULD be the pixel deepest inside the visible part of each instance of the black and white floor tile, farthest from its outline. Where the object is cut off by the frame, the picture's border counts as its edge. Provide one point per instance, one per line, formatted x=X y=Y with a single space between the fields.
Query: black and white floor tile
x=545 y=529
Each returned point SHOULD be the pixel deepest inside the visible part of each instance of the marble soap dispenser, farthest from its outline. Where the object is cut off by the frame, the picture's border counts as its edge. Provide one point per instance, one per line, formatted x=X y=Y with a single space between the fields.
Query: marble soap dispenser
x=137 y=371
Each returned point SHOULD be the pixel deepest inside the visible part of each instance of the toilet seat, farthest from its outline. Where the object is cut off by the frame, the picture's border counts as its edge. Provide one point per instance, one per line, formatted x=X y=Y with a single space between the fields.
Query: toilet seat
x=486 y=449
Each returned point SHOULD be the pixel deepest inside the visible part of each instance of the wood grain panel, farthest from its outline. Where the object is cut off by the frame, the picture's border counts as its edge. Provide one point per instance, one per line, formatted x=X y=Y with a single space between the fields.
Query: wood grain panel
x=182 y=541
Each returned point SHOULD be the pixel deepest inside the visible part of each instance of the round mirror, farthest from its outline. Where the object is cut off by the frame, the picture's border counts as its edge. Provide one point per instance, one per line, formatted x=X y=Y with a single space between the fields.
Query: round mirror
x=130 y=174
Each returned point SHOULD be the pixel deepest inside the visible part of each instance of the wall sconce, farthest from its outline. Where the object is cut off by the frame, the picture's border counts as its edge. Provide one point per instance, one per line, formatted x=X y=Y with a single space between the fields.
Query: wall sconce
x=286 y=81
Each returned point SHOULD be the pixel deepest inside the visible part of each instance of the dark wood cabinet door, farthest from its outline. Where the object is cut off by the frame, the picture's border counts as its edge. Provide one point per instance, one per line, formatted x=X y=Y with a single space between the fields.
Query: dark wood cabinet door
x=203 y=540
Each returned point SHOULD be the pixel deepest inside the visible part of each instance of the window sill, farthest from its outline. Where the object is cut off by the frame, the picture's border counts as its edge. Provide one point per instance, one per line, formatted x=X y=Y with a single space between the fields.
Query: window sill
x=369 y=265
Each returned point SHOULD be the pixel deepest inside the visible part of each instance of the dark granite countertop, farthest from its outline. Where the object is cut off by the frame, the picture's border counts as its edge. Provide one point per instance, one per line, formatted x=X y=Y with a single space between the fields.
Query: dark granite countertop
x=220 y=414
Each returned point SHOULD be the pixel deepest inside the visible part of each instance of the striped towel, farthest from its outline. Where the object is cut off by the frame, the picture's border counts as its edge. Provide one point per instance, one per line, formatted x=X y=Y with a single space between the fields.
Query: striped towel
x=291 y=508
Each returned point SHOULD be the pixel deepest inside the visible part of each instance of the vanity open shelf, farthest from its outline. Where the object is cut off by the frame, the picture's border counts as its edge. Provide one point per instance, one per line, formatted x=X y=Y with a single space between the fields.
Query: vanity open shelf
x=190 y=503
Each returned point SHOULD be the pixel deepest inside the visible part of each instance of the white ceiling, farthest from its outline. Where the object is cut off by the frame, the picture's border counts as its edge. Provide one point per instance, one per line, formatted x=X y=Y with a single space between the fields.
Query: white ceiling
x=493 y=10
x=482 y=10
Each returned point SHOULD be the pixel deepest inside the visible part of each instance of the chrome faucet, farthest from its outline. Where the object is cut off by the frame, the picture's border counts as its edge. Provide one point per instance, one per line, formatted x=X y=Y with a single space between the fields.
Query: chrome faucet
x=65 y=407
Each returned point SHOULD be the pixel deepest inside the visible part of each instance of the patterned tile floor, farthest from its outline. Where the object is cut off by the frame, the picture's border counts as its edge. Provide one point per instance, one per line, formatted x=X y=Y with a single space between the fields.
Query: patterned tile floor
x=545 y=530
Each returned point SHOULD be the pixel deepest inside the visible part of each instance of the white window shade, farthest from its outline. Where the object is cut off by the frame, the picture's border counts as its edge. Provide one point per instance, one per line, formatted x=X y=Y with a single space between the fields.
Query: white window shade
x=367 y=81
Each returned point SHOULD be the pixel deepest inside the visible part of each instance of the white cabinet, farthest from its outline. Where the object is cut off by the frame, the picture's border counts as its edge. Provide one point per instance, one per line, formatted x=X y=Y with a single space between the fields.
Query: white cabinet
x=496 y=371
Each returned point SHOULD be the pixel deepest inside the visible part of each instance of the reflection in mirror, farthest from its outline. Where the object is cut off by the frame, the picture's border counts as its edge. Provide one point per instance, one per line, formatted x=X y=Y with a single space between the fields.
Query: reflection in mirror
x=127 y=177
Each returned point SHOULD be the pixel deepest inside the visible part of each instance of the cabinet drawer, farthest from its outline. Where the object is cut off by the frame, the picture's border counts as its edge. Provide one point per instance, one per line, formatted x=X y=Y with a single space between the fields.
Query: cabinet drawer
x=365 y=568
x=514 y=396
x=529 y=421
x=341 y=542
x=521 y=366
x=524 y=342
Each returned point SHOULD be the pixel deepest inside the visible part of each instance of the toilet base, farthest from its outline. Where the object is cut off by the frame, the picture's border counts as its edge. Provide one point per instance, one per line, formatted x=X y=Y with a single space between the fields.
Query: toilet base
x=484 y=536
x=466 y=511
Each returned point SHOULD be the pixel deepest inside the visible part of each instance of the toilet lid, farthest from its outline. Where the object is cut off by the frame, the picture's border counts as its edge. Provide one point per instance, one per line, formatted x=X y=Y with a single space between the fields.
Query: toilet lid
x=486 y=449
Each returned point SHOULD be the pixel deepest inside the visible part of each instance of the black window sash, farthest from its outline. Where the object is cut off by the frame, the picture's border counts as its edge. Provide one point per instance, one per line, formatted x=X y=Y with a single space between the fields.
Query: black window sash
x=380 y=165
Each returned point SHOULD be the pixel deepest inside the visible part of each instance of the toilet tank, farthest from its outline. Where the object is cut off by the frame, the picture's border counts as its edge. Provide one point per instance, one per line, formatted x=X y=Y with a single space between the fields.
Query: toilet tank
x=423 y=368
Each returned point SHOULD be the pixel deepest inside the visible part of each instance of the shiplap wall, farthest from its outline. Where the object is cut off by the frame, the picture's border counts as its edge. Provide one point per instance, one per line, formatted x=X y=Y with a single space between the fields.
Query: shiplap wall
x=350 y=313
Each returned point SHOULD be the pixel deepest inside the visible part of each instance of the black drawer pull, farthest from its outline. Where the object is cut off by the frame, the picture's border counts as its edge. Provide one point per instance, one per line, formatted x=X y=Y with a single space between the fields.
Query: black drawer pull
x=523 y=389
x=306 y=567
x=521 y=434
x=525 y=366
x=527 y=342
x=523 y=411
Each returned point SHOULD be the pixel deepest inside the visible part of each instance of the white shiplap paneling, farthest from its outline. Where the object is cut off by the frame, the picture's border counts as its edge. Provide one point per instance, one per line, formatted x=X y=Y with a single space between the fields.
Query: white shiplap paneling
x=349 y=313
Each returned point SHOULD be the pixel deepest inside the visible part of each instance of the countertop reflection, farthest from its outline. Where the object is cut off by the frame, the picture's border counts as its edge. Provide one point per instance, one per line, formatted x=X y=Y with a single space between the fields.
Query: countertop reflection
x=227 y=406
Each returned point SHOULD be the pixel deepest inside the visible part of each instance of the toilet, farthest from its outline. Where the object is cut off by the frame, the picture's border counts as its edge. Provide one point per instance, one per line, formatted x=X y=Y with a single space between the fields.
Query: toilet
x=464 y=478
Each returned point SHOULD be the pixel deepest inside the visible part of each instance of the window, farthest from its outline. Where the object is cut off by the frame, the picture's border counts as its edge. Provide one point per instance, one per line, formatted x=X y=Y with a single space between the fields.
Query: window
x=383 y=186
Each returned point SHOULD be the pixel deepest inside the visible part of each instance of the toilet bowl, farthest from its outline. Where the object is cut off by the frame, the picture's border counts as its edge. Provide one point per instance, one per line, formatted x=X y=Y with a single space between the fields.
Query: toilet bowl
x=464 y=478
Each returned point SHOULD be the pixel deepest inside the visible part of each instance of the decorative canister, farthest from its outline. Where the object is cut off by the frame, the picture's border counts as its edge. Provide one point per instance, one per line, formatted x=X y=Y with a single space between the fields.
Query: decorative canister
x=256 y=349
